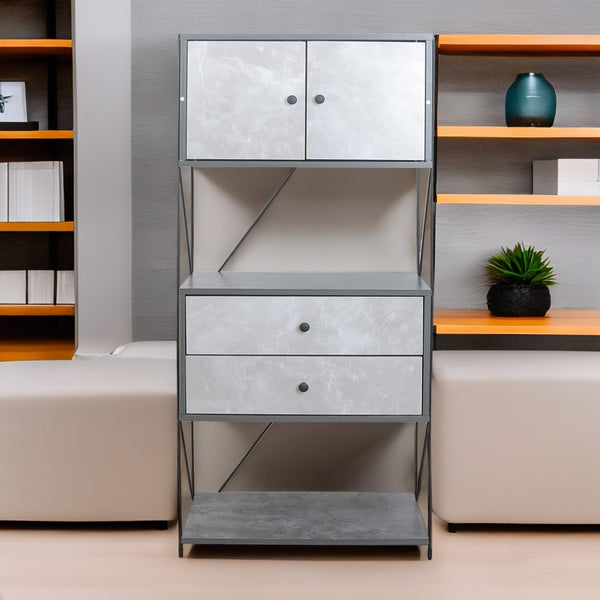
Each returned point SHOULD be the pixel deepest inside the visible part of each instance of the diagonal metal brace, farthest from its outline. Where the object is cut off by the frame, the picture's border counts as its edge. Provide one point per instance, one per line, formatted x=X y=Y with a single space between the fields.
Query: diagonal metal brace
x=259 y=216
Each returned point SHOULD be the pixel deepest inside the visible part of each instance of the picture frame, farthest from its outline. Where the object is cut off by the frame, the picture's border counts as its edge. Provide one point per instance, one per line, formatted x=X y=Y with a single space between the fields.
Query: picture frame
x=13 y=102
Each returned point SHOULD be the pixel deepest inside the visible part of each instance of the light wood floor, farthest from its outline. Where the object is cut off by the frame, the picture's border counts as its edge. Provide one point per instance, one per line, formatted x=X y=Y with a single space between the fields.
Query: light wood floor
x=115 y=564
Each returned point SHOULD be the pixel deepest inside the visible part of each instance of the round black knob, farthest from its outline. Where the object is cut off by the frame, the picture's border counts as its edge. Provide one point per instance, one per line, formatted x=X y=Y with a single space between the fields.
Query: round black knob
x=303 y=387
x=319 y=98
x=304 y=327
x=292 y=99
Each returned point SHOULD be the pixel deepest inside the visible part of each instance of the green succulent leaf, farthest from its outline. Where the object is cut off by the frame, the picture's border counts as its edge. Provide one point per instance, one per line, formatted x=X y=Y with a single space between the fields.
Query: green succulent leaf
x=520 y=266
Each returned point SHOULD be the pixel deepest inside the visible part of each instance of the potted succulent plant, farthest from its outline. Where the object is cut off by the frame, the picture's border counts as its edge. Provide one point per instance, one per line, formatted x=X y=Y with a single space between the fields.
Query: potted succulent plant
x=519 y=279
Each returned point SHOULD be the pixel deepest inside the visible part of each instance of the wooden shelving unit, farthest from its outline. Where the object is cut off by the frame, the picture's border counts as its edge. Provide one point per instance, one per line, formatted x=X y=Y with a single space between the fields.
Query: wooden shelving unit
x=567 y=322
x=518 y=199
x=35 y=332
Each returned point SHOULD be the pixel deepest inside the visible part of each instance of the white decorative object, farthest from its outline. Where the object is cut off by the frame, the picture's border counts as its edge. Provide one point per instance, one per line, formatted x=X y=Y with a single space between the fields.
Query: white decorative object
x=13 y=103
x=569 y=176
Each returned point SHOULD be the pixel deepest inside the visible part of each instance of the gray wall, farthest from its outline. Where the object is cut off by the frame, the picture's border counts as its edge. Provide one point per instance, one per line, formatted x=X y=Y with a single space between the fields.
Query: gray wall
x=349 y=455
x=155 y=26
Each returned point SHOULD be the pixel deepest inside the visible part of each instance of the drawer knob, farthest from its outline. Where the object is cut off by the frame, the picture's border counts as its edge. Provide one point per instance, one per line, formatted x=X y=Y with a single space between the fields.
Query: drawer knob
x=319 y=98
x=303 y=387
x=292 y=99
x=304 y=327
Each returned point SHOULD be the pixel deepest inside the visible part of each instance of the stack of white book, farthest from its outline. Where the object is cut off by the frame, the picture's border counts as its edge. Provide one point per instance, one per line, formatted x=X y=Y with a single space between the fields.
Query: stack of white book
x=37 y=287
x=32 y=191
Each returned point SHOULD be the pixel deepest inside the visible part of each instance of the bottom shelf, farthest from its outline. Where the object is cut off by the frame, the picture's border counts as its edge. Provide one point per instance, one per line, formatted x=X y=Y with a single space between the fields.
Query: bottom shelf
x=305 y=518
x=32 y=349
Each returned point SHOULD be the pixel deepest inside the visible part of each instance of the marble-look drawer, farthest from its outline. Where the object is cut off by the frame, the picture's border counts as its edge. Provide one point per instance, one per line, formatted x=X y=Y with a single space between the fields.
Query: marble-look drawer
x=373 y=325
x=333 y=385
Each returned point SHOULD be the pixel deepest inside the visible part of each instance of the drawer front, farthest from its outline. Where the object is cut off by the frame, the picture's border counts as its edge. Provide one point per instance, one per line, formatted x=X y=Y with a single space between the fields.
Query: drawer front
x=273 y=325
x=336 y=385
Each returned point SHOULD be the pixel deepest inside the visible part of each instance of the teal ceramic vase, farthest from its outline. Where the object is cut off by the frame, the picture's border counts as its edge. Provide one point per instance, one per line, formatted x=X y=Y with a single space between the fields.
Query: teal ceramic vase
x=530 y=101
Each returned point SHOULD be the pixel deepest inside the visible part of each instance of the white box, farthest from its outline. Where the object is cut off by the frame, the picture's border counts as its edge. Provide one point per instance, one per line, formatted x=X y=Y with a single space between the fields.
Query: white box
x=65 y=287
x=40 y=287
x=570 y=176
x=3 y=191
x=13 y=287
x=35 y=191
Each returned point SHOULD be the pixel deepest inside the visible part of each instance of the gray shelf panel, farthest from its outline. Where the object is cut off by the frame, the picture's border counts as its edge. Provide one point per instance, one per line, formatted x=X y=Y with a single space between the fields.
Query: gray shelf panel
x=325 y=164
x=306 y=284
x=424 y=418
x=305 y=518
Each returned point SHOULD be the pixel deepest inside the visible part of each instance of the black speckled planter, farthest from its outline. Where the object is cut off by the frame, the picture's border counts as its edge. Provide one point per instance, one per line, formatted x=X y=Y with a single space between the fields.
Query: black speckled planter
x=507 y=300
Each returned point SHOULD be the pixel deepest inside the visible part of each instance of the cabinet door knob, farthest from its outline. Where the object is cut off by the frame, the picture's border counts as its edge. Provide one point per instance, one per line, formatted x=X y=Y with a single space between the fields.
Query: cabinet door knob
x=303 y=387
x=304 y=327
x=319 y=98
x=292 y=99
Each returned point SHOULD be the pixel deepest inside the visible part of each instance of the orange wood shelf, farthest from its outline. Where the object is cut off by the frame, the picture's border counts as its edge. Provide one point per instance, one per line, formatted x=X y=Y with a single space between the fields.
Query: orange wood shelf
x=519 y=199
x=32 y=349
x=502 y=44
x=559 y=321
x=486 y=131
x=37 y=226
x=43 y=134
x=37 y=310
x=36 y=47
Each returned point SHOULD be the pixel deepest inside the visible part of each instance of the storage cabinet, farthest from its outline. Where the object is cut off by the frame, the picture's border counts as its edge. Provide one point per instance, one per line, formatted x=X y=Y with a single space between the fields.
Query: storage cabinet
x=559 y=321
x=305 y=100
x=31 y=51
x=306 y=346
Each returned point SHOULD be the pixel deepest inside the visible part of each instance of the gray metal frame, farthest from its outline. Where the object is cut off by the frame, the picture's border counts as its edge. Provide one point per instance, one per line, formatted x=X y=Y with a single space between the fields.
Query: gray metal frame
x=424 y=222
x=430 y=52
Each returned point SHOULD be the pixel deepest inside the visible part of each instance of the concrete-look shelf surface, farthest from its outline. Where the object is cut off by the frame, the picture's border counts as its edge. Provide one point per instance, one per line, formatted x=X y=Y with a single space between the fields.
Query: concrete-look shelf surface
x=305 y=518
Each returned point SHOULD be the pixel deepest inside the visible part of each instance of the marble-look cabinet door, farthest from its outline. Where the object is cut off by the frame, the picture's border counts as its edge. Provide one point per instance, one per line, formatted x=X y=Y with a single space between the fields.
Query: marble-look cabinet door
x=245 y=100
x=365 y=100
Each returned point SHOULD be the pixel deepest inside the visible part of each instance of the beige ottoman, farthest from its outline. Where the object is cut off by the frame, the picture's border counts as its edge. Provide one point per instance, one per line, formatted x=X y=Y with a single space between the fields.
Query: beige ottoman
x=88 y=440
x=515 y=437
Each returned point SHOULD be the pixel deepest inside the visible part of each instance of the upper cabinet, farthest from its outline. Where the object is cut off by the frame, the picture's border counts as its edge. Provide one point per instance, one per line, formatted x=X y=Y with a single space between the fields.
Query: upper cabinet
x=306 y=100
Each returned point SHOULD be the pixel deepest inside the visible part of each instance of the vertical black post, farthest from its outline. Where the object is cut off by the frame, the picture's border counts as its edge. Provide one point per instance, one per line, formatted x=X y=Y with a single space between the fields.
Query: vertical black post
x=51 y=19
x=52 y=67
